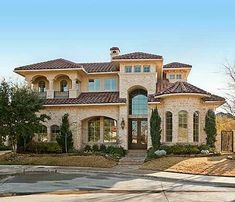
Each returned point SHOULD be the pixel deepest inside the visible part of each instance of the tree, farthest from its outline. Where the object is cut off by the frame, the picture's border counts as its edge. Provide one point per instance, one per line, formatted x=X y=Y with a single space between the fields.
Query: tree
x=19 y=113
x=210 y=128
x=64 y=138
x=155 y=129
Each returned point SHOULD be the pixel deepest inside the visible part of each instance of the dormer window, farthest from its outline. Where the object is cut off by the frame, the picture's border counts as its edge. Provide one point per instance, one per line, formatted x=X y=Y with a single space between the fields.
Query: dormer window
x=171 y=76
x=64 y=86
x=178 y=76
x=128 y=69
x=137 y=68
x=41 y=86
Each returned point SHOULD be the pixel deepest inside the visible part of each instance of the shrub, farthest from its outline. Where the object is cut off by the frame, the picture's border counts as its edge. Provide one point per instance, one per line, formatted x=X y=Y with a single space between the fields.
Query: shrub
x=205 y=152
x=95 y=148
x=116 y=151
x=43 y=147
x=87 y=148
x=103 y=148
x=180 y=149
x=160 y=153
x=203 y=147
x=4 y=147
x=151 y=153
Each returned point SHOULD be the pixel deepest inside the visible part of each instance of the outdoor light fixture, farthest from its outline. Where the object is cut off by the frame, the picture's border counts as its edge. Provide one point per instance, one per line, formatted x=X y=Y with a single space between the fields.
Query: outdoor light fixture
x=123 y=123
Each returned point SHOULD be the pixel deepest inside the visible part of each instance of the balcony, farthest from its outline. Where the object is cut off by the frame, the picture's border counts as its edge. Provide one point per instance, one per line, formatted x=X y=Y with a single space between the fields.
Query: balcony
x=42 y=95
x=61 y=95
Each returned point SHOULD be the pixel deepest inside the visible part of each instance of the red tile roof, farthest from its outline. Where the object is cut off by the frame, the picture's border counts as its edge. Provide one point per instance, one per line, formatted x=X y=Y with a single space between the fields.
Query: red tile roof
x=177 y=65
x=52 y=64
x=137 y=55
x=89 y=98
x=99 y=67
x=214 y=98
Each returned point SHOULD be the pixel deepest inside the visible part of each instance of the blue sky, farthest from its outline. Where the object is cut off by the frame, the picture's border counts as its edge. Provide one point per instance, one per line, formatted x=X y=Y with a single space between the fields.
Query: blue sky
x=201 y=33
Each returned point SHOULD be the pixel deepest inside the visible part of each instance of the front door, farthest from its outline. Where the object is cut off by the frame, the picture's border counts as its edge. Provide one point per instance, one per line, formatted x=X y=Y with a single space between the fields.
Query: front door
x=138 y=130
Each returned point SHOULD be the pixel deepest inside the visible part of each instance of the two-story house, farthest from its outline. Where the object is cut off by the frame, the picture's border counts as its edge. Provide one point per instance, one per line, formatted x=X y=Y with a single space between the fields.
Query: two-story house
x=111 y=102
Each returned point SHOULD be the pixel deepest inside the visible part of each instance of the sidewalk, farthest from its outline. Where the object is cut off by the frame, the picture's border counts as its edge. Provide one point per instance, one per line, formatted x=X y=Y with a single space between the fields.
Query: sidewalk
x=17 y=169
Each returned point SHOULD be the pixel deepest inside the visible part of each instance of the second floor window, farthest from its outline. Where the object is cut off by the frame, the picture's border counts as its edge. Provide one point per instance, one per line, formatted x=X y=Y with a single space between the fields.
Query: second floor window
x=128 y=69
x=171 y=76
x=146 y=68
x=41 y=86
x=64 y=86
x=94 y=85
x=110 y=84
x=137 y=68
x=178 y=76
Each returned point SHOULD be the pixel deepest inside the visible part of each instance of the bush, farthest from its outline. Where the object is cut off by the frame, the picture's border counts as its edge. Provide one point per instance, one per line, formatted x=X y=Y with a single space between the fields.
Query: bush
x=203 y=147
x=43 y=147
x=87 y=148
x=4 y=147
x=160 y=153
x=116 y=151
x=103 y=148
x=180 y=149
x=151 y=153
x=95 y=148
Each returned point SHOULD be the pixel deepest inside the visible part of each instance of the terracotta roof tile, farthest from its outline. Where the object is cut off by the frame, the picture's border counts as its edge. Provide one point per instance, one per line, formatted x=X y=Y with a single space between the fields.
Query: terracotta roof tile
x=214 y=98
x=52 y=64
x=89 y=98
x=177 y=65
x=99 y=67
x=137 y=55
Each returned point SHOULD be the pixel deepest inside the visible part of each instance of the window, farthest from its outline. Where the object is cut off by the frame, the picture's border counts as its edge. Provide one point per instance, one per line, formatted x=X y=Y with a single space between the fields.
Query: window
x=64 y=86
x=42 y=134
x=183 y=119
x=137 y=68
x=110 y=84
x=110 y=130
x=138 y=102
x=169 y=127
x=54 y=132
x=94 y=130
x=94 y=84
x=178 y=76
x=196 y=126
x=171 y=76
x=128 y=69
x=41 y=86
x=146 y=68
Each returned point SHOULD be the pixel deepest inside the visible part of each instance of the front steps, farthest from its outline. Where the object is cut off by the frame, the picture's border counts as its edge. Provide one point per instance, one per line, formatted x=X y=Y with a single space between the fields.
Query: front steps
x=134 y=158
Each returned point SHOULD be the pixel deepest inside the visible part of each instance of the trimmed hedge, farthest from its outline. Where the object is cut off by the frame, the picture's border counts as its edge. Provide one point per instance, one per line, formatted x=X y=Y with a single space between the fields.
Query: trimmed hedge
x=4 y=147
x=43 y=147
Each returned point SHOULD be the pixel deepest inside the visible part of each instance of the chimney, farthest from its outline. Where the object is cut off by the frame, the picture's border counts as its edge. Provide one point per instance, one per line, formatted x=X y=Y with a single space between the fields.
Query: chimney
x=114 y=51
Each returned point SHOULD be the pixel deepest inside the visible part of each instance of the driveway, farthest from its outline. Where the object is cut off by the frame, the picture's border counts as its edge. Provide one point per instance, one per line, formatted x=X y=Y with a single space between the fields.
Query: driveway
x=98 y=185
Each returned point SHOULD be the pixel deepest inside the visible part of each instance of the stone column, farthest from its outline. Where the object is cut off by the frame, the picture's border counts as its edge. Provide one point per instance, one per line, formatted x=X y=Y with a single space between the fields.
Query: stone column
x=50 y=91
x=123 y=133
x=175 y=127
x=77 y=135
x=73 y=92
x=190 y=127
x=48 y=133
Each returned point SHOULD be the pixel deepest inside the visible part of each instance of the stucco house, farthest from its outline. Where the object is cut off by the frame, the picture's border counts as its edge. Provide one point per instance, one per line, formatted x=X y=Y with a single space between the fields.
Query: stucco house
x=111 y=102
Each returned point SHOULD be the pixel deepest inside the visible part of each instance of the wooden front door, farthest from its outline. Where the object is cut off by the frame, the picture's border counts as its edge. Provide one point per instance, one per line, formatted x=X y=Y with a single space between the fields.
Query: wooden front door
x=137 y=133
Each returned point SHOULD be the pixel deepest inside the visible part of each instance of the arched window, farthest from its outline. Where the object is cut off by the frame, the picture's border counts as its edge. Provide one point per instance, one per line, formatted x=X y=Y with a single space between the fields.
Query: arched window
x=94 y=130
x=54 y=131
x=64 y=86
x=183 y=119
x=138 y=102
x=110 y=130
x=196 y=126
x=169 y=127
x=41 y=86
x=42 y=134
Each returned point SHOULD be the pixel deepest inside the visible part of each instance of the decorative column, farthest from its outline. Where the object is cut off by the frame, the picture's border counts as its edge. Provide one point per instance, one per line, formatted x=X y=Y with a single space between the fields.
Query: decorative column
x=48 y=133
x=50 y=91
x=73 y=92
x=175 y=127
x=190 y=127
x=101 y=129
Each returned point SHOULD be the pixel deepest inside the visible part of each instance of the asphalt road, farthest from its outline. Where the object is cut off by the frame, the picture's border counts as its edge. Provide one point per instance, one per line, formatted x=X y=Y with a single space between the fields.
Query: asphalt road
x=106 y=186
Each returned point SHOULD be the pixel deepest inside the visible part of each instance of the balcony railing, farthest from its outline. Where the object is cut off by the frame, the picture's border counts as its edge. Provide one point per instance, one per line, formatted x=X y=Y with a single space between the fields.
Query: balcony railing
x=42 y=94
x=59 y=94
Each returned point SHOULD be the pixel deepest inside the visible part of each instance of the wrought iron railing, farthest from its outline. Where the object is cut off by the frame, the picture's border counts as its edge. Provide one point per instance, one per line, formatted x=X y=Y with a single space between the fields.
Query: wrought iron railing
x=59 y=94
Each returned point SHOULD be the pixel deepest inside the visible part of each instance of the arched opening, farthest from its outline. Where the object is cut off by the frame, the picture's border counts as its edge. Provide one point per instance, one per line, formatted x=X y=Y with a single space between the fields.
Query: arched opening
x=62 y=84
x=42 y=134
x=183 y=126
x=99 y=129
x=138 y=122
x=54 y=132
x=196 y=126
x=138 y=102
x=40 y=84
x=169 y=127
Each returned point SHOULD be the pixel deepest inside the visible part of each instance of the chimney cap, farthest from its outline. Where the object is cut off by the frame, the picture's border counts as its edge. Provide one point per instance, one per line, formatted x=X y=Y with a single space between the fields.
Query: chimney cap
x=114 y=48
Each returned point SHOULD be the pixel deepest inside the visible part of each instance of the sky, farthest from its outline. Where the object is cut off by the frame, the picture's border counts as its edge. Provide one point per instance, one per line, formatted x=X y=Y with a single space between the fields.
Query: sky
x=197 y=32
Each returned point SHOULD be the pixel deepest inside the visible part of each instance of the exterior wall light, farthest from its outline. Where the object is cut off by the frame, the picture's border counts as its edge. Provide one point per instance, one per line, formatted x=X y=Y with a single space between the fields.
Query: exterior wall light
x=123 y=124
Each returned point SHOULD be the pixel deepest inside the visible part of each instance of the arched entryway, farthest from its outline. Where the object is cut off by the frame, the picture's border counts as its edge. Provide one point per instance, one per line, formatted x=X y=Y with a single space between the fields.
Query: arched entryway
x=137 y=121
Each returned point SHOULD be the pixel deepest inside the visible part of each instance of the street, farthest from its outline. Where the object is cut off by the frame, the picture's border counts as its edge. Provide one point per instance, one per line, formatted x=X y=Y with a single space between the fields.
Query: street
x=81 y=185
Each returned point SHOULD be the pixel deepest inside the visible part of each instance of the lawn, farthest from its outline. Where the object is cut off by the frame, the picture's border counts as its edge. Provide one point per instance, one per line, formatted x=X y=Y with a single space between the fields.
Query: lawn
x=213 y=165
x=57 y=160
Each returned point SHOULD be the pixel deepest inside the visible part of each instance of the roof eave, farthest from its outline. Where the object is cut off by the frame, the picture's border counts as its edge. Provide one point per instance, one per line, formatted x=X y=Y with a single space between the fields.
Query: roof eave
x=81 y=105
x=182 y=94
x=129 y=60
